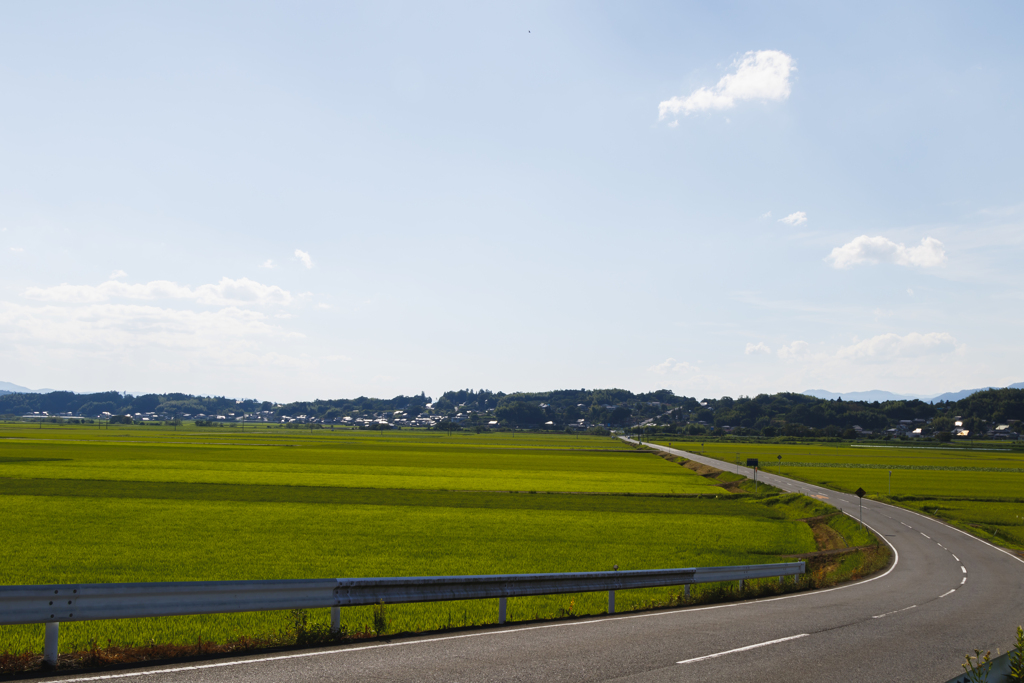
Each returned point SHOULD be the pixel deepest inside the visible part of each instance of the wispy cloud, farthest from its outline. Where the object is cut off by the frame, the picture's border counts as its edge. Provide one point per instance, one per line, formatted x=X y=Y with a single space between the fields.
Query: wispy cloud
x=306 y=259
x=269 y=263
x=759 y=347
x=117 y=274
x=795 y=350
x=109 y=328
x=795 y=218
x=17 y=250
x=227 y=292
x=672 y=366
x=864 y=249
x=761 y=75
x=890 y=346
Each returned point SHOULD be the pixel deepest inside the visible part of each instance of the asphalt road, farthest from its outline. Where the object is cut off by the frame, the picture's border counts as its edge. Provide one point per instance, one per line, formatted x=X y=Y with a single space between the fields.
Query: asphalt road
x=947 y=594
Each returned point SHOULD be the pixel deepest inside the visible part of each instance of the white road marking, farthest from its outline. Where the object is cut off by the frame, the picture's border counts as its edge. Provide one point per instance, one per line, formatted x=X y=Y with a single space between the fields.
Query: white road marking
x=947 y=593
x=742 y=649
x=963 y=568
x=955 y=557
x=894 y=612
x=964 y=581
x=926 y=535
x=906 y=525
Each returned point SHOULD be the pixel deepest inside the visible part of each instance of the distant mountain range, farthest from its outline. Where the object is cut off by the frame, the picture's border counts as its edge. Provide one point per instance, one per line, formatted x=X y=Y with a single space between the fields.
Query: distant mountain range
x=8 y=388
x=882 y=396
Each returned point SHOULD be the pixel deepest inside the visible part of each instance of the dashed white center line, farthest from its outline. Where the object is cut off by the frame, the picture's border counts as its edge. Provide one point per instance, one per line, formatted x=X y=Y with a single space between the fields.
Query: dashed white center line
x=963 y=569
x=947 y=593
x=964 y=581
x=906 y=525
x=955 y=557
x=895 y=611
x=926 y=535
x=742 y=649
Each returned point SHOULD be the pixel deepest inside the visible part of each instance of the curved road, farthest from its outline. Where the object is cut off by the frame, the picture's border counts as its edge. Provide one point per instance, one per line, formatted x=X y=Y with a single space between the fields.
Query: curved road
x=947 y=594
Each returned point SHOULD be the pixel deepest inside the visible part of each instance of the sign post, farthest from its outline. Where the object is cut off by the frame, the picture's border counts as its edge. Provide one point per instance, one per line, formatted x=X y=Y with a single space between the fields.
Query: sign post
x=860 y=495
x=752 y=462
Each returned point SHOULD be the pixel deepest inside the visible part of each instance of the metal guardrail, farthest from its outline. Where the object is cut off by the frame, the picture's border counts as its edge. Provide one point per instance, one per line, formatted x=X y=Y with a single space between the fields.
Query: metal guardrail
x=91 y=601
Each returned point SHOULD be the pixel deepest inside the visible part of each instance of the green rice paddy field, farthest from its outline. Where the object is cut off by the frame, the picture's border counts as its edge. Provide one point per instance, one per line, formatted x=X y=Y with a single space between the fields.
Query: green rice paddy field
x=81 y=504
x=978 y=489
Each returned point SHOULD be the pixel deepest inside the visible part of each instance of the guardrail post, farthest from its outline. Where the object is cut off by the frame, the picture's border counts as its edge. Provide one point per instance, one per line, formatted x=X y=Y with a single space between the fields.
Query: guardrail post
x=335 y=619
x=780 y=580
x=686 y=591
x=611 y=602
x=741 y=585
x=502 y=608
x=50 y=643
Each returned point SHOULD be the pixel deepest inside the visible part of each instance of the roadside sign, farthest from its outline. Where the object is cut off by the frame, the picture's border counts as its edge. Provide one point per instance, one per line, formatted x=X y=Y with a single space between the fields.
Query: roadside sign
x=751 y=462
x=860 y=493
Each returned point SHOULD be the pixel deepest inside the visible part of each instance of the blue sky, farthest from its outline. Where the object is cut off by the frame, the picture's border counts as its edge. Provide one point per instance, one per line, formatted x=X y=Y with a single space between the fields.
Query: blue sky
x=302 y=200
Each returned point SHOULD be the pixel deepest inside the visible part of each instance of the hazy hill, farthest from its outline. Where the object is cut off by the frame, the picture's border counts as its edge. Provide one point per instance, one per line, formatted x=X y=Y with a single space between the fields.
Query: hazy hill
x=883 y=396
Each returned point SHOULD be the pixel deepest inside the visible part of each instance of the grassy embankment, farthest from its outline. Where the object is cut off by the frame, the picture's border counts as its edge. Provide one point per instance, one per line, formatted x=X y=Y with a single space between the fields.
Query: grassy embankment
x=81 y=504
x=980 y=489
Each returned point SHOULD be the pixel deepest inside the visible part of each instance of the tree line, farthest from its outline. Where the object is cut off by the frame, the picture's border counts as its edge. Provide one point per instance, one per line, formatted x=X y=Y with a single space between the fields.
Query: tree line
x=782 y=414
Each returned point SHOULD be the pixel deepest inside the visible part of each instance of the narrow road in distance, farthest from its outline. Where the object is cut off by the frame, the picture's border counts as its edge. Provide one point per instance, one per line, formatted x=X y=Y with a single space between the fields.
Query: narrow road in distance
x=946 y=594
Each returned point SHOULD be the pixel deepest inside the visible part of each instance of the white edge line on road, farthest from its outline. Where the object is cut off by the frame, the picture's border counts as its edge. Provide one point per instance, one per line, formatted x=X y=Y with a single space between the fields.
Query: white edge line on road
x=741 y=649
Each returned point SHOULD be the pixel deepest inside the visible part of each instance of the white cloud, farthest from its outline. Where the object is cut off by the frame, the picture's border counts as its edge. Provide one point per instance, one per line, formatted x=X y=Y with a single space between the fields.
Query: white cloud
x=910 y=292
x=306 y=259
x=227 y=292
x=269 y=263
x=117 y=274
x=672 y=366
x=890 y=346
x=17 y=250
x=323 y=305
x=759 y=347
x=798 y=349
x=762 y=75
x=766 y=215
x=864 y=249
x=111 y=328
x=796 y=218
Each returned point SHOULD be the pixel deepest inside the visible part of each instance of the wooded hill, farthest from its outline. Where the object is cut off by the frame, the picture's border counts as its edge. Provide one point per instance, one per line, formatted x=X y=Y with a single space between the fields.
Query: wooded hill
x=765 y=414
